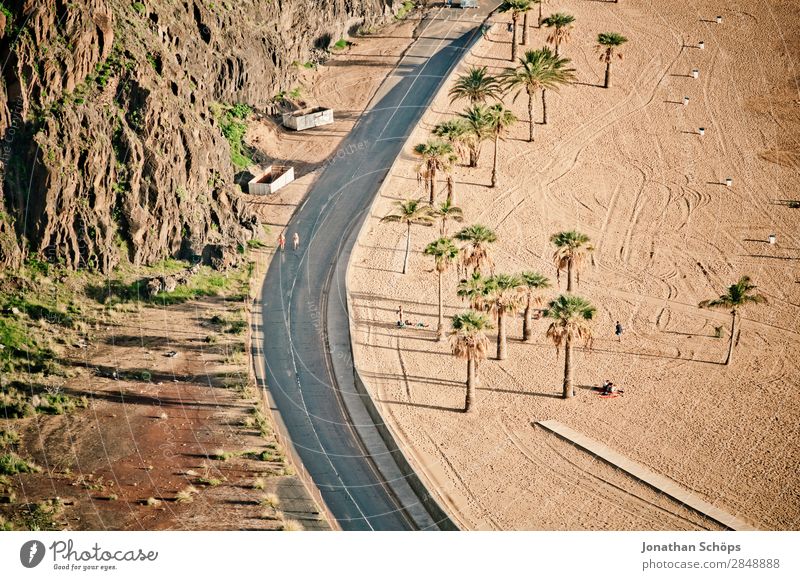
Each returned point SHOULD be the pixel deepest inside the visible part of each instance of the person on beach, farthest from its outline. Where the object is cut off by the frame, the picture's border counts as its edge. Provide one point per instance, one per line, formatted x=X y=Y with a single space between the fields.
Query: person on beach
x=296 y=240
x=282 y=241
x=618 y=331
x=400 y=315
x=608 y=387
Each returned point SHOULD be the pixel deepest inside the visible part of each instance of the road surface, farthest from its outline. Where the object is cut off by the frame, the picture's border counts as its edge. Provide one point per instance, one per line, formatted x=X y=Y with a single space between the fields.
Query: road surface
x=359 y=487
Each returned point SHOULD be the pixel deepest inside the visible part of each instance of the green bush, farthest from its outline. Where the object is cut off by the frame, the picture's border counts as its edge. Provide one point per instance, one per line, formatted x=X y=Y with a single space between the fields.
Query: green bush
x=12 y=464
x=8 y=437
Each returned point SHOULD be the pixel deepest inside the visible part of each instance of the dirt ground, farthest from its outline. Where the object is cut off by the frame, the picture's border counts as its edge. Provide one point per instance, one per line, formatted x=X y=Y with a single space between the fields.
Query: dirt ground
x=627 y=167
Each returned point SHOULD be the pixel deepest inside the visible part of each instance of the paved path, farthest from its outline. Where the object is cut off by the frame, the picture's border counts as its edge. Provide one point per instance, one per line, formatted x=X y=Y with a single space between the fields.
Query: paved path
x=305 y=328
x=640 y=472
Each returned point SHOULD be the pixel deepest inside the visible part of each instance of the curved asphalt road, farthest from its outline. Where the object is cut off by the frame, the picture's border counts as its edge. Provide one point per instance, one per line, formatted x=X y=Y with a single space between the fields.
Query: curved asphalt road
x=298 y=361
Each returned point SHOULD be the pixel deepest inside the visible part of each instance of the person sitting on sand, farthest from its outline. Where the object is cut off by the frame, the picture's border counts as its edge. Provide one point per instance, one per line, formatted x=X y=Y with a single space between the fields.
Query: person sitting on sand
x=608 y=387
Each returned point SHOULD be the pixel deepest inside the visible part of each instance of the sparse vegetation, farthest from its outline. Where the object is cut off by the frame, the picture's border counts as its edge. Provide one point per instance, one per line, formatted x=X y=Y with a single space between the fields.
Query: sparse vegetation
x=186 y=495
x=8 y=437
x=12 y=464
x=270 y=500
x=233 y=126
x=405 y=9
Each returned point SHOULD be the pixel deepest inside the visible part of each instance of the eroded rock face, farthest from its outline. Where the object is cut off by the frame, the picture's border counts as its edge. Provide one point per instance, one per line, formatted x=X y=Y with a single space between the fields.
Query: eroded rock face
x=110 y=143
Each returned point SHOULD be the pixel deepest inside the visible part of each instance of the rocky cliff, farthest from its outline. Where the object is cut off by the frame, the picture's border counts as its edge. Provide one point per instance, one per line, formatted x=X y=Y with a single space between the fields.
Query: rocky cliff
x=110 y=119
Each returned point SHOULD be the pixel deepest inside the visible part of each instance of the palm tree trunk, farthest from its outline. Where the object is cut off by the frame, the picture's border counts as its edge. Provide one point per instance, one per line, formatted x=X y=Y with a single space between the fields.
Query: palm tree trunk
x=473 y=156
x=470 y=385
x=527 y=321
x=540 y=14
x=450 y=188
x=514 y=36
x=494 y=163
x=568 y=389
x=502 y=343
x=440 y=326
x=530 y=116
x=433 y=185
x=734 y=329
x=569 y=275
x=408 y=248
x=607 y=82
x=525 y=29
x=558 y=47
x=544 y=107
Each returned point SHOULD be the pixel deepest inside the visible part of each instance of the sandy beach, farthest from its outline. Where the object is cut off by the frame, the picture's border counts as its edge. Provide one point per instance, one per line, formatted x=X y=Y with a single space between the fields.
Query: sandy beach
x=626 y=166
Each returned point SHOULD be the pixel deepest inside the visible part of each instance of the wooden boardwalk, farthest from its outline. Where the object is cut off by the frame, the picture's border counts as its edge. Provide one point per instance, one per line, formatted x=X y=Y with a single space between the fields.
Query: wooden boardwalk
x=643 y=474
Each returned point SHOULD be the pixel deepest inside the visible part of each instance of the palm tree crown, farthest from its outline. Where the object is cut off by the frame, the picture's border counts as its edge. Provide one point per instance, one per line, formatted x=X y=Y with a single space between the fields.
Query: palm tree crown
x=538 y=70
x=571 y=316
x=436 y=156
x=515 y=7
x=455 y=132
x=475 y=290
x=410 y=212
x=500 y=119
x=468 y=342
x=446 y=212
x=571 y=249
x=505 y=294
x=533 y=281
x=561 y=24
x=475 y=252
x=737 y=295
x=478 y=123
x=608 y=44
x=444 y=253
x=476 y=85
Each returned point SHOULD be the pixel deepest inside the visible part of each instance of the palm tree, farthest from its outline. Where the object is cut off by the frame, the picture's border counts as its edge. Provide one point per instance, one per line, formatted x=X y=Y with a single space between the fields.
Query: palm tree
x=538 y=70
x=473 y=289
x=477 y=120
x=456 y=132
x=436 y=155
x=738 y=295
x=505 y=294
x=447 y=211
x=444 y=253
x=570 y=316
x=516 y=7
x=533 y=281
x=475 y=252
x=410 y=212
x=525 y=20
x=500 y=119
x=476 y=85
x=571 y=249
x=561 y=23
x=608 y=44
x=468 y=342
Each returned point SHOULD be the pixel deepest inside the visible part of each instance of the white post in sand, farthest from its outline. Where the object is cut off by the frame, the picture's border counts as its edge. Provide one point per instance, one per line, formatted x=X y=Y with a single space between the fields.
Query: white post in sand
x=702 y=131
x=728 y=181
x=772 y=239
x=685 y=101
x=695 y=73
x=701 y=45
x=719 y=19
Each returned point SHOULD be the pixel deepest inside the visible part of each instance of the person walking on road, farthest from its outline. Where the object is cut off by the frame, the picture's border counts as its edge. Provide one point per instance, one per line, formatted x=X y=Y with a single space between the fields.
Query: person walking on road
x=282 y=241
x=296 y=241
x=618 y=331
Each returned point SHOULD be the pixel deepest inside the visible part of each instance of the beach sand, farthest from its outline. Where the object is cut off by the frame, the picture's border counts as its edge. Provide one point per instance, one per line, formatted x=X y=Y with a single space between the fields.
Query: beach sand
x=627 y=167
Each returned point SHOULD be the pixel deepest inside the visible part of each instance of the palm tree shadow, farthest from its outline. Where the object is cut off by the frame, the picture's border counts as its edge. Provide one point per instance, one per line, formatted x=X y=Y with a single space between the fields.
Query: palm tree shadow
x=510 y=392
x=587 y=84
x=648 y=355
x=423 y=406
